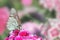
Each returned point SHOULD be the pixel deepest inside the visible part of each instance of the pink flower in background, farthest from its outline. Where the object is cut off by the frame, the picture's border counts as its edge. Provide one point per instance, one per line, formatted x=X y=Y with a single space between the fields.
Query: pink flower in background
x=29 y=26
x=58 y=25
x=57 y=8
x=47 y=4
x=4 y=15
x=26 y=2
x=54 y=32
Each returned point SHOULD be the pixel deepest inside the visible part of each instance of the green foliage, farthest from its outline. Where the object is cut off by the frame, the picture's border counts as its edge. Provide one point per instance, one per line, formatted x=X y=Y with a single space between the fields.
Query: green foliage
x=17 y=5
x=26 y=18
x=5 y=34
x=35 y=3
x=50 y=14
x=3 y=2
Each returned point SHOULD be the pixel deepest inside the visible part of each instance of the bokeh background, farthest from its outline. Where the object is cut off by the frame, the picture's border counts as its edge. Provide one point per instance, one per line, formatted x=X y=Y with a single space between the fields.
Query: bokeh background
x=18 y=6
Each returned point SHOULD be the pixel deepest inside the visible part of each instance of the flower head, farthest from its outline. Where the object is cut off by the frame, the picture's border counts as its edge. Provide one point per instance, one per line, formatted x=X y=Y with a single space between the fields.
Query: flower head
x=4 y=15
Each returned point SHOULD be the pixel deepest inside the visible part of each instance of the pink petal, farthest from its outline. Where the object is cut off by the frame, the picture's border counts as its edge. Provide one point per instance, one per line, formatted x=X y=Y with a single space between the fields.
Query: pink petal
x=58 y=25
x=18 y=38
x=26 y=2
x=4 y=15
x=29 y=26
x=54 y=32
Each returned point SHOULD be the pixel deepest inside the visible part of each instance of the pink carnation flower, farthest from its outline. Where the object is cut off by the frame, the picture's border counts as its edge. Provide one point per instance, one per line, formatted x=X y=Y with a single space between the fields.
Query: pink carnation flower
x=54 y=32
x=18 y=38
x=4 y=15
x=11 y=37
x=23 y=35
